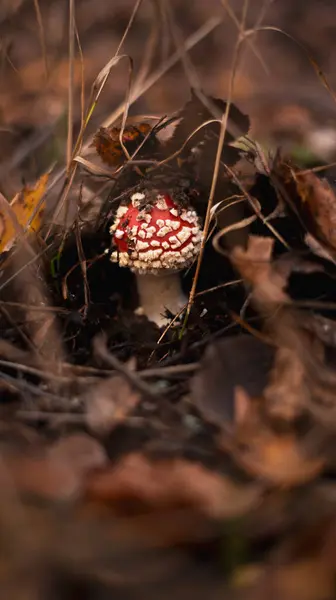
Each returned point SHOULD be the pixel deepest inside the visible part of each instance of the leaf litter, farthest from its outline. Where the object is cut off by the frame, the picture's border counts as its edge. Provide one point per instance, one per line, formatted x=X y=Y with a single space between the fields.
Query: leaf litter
x=134 y=463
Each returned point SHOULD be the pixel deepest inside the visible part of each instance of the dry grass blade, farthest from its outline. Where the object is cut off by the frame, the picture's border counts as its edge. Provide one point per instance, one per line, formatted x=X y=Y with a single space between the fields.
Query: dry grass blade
x=189 y=68
x=223 y=128
x=17 y=273
x=71 y=82
x=233 y=17
x=239 y=225
x=190 y=43
x=203 y=293
x=42 y=37
x=149 y=50
x=42 y=330
x=82 y=96
x=83 y=267
x=96 y=91
x=322 y=77
x=186 y=141
x=256 y=207
x=92 y=168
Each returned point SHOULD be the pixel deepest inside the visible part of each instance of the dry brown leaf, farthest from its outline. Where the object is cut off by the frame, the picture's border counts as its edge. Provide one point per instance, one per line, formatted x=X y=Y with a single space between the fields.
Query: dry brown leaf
x=54 y=474
x=240 y=360
x=287 y=389
x=80 y=451
x=254 y=265
x=314 y=202
x=307 y=579
x=171 y=484
x=109 y=403
x=280 y=459
x=26 y=209
x=319 y=203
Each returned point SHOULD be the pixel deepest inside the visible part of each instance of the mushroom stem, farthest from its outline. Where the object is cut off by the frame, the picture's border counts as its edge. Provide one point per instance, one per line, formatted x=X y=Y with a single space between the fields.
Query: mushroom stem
x=158 y=293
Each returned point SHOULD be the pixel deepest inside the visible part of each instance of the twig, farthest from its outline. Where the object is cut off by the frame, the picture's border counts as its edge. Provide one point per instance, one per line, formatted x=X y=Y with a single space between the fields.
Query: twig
x=99 y=345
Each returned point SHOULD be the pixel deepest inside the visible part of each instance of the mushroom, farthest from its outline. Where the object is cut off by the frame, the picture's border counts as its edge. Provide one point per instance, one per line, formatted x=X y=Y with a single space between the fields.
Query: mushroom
x=156 y=237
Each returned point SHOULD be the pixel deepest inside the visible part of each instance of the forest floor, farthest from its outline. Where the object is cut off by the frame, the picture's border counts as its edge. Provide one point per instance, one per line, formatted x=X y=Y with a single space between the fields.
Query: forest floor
x=196 y=459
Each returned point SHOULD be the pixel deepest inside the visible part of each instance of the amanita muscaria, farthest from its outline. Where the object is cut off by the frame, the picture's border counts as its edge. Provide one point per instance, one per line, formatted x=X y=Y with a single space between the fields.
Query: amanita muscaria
x=156 y=237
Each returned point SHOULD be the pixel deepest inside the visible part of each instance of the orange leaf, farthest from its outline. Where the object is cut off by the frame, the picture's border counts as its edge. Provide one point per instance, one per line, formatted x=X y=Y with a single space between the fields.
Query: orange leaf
x=24 y=211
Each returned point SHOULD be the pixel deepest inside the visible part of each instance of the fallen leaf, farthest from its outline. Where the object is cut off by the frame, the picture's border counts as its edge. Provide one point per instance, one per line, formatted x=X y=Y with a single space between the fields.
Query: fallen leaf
x=56 y=473
x=256 y=268
x=197 y=112
x=319 y=207
x=313 y=200
x=109 y=403
x=80 y=451
x=289 y=387
x=280 y=459
x=26 y=208
x=307 y=579
x=107 y=142
x=139 y=482
x=241 y=360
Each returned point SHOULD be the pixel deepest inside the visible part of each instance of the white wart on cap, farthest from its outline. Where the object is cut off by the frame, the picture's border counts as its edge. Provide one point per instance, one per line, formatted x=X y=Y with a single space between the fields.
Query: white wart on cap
x=155 y=237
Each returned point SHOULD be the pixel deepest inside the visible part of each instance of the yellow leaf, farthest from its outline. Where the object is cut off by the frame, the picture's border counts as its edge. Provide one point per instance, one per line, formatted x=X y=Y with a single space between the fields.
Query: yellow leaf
x=24 y=212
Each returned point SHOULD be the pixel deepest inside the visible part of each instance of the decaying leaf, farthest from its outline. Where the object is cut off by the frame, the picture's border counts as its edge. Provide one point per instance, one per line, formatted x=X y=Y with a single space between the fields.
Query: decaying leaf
x=171 y=484
x=198 y=111
x=109 y=402
x=56 y=473
x=313 y=200
x=288 y=389
x=280 y=459
x=306 y=579
x=107 y=142
x=254 y=265
x=319 y=206
x=27 y=208
x=241 y=360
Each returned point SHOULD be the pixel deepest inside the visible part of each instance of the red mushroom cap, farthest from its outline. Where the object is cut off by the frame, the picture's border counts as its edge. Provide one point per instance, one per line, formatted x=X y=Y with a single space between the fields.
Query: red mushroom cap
x=160 y=235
